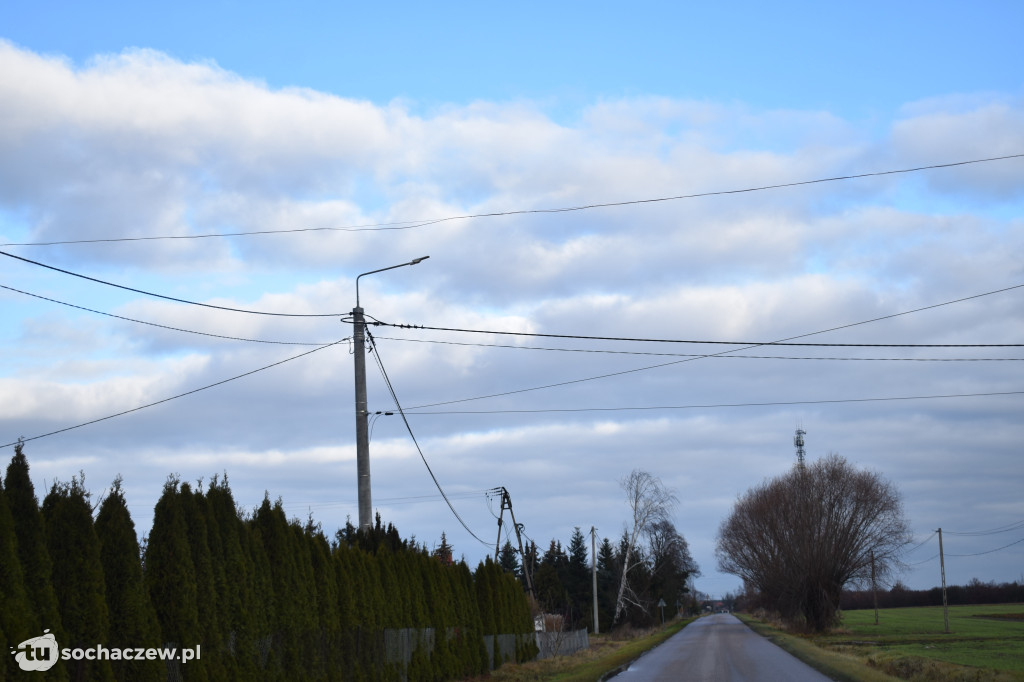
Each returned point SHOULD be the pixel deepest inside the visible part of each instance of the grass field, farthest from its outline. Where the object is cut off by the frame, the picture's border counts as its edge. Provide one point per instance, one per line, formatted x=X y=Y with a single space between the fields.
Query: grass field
x=907 y=642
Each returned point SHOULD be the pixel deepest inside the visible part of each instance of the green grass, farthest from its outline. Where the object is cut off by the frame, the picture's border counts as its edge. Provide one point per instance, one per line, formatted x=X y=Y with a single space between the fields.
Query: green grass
x=984 y=636
x=835 y=664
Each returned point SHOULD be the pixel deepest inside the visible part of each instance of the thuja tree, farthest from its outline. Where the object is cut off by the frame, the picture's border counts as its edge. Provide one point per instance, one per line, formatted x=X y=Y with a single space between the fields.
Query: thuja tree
x=170 y=574
x=77 y=574
x=132 y=618
x=799 y=539
x=241 y=614
x=208 y=587
x=503 y=608
x=18 y=621
x=294 y=614
x=33 y=554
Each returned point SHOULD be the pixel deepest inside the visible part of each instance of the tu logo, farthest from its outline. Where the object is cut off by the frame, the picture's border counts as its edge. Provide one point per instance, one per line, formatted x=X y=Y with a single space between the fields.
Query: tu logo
x=39 y=653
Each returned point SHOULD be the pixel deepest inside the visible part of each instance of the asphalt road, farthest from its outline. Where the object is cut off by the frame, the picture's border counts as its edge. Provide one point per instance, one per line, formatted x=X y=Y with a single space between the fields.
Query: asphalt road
x=719 y=648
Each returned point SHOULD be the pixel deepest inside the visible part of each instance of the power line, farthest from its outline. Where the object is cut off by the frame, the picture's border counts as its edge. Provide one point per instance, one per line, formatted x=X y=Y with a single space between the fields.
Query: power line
x=749 y=346
x=755 y=344
x=992 y=531
x=516 y=347
x=164 y=326
x=398 y=407
x=991 y=551
x=922 y=543
x=408 y=499
x=407 y=225
x=510 y=346
x=694 y=355
x=931 y=558
x=716 y=405
x=167 y=298
x=174 y=397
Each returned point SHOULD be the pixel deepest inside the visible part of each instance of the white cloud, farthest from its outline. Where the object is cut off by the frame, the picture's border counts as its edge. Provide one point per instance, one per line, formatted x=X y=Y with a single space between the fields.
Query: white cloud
x=142 y=145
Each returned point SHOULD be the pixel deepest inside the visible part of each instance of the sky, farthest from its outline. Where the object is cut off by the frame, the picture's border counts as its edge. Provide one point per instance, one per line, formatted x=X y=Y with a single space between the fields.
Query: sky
x=356 y=137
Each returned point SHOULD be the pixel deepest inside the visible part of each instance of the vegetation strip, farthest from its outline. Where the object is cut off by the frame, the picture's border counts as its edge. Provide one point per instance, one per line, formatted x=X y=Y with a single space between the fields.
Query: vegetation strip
x=910 y=644
x=605 y=658
x=834 y=665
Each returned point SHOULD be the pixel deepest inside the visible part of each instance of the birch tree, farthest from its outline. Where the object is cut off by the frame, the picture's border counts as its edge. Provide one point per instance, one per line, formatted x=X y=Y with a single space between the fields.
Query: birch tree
x=650 y=502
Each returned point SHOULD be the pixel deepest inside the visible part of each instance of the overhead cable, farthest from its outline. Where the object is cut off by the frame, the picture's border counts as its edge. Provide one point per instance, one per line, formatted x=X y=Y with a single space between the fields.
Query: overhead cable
x=756 y=344
x=991 y=551
x=922 y=543
x=712 y=405
x=407 y=225
x=692 y=355
x=749 y=346
x=398 y=407
x=992 y=531
x=164 y=326
x=166 y=298
x=173 y=397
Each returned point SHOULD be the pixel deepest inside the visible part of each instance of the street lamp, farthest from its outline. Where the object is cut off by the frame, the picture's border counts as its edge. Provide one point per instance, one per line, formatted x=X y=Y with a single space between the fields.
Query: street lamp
x=362 y=433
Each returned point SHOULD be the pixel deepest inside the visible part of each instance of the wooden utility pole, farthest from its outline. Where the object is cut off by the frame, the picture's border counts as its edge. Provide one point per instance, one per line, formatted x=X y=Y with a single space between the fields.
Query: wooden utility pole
x=942 y=566
x=593 y=574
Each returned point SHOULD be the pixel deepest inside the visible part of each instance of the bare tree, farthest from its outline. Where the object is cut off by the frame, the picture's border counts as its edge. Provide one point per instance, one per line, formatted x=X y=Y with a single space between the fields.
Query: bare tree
x=799 y=539
x=650 y=502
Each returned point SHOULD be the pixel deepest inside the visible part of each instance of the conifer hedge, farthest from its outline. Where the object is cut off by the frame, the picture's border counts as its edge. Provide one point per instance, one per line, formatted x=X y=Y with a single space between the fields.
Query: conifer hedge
x=264 y=596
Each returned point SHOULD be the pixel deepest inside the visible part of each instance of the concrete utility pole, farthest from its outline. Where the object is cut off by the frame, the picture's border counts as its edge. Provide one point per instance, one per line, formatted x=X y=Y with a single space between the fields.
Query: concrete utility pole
x=874 y=586
x=362 y=432
x=506 y=503
x=942 y=567
x=593 y=574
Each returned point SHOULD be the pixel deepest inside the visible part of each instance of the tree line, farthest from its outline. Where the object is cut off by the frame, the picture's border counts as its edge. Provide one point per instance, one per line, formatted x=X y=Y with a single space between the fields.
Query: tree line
x=264 y=596
x=899 y=595
x=651 y=562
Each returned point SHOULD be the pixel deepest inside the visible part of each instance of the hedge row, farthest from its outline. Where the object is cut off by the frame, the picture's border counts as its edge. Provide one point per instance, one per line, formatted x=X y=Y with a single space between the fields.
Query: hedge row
x=263 y=596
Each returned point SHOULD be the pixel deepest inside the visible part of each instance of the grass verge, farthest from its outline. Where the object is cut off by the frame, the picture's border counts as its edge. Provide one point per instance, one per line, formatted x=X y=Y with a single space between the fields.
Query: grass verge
x=838 y=666
x=910 y=644
x=606 y=654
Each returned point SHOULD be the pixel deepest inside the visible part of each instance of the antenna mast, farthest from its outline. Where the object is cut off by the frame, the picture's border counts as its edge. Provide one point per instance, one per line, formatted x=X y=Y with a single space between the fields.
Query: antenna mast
x=798 y=441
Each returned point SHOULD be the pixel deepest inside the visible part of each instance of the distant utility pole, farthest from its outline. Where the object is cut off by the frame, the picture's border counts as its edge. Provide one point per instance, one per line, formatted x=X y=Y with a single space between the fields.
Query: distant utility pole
x=362 y=415
x=593 y=574
x=506 y=503
x=942 y=567
x=874 y=586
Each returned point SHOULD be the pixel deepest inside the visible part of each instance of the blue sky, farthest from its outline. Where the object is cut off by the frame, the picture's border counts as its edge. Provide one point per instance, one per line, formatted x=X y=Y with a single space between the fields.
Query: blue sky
x=129 y=120
x=861 y=60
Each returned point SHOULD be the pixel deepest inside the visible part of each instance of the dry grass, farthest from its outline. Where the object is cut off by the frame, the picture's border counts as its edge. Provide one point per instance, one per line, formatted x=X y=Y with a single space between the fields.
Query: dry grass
x=607 y=652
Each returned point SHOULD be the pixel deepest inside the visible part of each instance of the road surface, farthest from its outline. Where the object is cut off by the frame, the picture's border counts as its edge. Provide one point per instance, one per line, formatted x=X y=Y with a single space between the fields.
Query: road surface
x=718 y=648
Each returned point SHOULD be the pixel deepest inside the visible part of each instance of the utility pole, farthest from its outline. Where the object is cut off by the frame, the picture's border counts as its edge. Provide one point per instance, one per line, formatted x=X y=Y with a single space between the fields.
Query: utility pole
x=874 y=586
x=593 y=574
x=506 y=503
x=362 y=415
x=942 y=566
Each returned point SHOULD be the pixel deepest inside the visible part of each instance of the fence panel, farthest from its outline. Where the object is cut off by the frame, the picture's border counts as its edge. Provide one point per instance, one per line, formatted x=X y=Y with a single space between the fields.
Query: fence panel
x=561 y=643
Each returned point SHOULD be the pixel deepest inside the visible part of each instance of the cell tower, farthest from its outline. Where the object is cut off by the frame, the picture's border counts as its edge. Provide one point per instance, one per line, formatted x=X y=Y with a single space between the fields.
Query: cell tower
x=798 y=441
